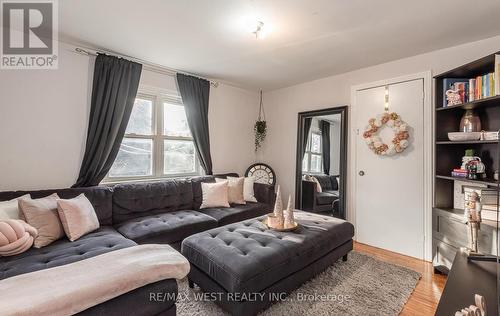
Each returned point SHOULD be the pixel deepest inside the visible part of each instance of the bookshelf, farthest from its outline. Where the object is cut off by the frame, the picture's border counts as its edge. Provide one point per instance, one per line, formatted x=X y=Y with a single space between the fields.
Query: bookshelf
x=449 y=227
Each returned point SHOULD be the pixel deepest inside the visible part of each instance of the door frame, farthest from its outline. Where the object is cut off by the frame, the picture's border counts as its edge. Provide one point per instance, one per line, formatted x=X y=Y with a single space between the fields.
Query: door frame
x=344 y=131
x=428 y=151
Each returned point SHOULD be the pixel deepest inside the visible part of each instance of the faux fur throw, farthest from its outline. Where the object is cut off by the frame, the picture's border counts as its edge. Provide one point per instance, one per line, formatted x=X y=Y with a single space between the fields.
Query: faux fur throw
x=72 y=288
x=16 y=236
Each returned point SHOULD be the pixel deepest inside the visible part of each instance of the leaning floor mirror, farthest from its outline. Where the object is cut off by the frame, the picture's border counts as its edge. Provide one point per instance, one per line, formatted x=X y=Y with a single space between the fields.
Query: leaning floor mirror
x=321 y=163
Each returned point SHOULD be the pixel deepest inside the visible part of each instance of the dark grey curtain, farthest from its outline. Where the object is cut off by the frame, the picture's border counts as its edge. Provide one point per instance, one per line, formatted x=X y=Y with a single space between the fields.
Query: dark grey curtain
x=114 y=88
x=195 y=93
x=325 y=145
x=307 y=128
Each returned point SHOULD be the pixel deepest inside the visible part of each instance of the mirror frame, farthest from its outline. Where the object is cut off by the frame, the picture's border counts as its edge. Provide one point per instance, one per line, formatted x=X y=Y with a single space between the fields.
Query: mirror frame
x=342 y=110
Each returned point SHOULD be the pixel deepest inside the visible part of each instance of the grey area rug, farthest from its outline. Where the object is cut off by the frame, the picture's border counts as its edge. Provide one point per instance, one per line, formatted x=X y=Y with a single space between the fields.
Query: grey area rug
x=360 y=286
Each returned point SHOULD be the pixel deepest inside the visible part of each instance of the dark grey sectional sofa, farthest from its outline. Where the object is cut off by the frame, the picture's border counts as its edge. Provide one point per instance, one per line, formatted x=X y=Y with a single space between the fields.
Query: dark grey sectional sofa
x=162 y=212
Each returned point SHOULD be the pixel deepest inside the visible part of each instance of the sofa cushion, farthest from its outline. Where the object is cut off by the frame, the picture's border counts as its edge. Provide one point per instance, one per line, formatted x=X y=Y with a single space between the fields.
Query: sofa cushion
x=133 y=200
x=166 y=228
x=100 y=197
x=335 y=183
x=197 y=192
x=325 y=182
x=246 y=257
x=323 y=198
x=63 y=252
x=237 y=213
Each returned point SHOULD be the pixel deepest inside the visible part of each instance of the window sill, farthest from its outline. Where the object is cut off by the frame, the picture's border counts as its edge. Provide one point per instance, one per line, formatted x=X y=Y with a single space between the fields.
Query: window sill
x=111 y=182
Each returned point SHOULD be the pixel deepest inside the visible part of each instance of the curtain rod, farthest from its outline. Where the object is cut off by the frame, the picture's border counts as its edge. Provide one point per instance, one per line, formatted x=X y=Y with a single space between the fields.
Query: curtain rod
x=146 y=65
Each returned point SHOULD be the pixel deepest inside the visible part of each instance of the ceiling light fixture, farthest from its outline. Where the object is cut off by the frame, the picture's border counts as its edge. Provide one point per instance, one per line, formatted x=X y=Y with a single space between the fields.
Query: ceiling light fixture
x=259 y=30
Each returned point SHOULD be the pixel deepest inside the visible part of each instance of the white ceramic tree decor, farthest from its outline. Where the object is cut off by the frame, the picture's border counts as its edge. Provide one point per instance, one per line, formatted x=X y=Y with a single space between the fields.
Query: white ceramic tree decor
x=278 y=208
x=289 y=219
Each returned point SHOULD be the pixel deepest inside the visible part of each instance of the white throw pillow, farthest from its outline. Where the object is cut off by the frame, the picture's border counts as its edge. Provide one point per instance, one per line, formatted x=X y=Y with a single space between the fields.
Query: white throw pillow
x=248 y=192
x=10 y=209
x=77 y=216
x=318 y=186
x=235 y=189
x=215 y=194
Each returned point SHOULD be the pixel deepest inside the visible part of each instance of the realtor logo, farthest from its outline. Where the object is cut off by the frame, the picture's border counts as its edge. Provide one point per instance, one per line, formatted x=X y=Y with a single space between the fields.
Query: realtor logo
x=29 y=34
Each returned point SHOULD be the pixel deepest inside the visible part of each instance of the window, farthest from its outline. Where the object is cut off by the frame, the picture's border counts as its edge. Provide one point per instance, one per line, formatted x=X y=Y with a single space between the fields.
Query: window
x=313 y=156
x=157 y=141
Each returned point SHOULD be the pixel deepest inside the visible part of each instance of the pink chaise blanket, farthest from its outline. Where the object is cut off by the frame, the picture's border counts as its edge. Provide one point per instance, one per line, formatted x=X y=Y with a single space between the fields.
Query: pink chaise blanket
x=72 y=288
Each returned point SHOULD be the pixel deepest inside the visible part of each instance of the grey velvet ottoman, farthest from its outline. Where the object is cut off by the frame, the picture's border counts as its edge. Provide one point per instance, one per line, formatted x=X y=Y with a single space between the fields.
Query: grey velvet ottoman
x=248 y=267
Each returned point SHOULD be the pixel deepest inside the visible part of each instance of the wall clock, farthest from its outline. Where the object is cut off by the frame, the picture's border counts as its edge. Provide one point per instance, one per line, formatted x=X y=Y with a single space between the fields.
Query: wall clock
x=262 y=173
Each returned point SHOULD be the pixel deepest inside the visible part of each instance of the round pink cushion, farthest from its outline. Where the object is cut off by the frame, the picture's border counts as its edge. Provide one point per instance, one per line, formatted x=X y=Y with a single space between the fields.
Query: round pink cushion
x=16 y=236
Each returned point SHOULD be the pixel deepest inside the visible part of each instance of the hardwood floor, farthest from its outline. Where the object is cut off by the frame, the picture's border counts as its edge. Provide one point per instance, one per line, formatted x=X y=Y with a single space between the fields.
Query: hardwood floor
x=424 y=300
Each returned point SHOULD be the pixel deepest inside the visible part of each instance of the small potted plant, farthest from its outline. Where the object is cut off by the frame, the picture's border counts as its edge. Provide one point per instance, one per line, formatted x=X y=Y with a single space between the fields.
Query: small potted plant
x=260 y=127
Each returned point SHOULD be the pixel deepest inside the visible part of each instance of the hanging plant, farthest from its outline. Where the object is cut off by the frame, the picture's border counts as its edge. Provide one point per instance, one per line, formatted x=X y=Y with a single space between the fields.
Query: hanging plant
x=260 y=127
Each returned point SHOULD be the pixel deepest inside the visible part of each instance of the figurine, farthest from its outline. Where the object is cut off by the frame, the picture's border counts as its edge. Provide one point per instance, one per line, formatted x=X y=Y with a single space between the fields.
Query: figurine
x=472 y=214
x=475 y=169
x=453 y=97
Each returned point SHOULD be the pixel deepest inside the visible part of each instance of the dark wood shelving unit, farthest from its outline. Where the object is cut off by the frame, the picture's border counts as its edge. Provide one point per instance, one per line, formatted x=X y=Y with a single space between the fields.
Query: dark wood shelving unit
x=485 y=181
x=449 y=228
x=469 y=142
x=491 y=101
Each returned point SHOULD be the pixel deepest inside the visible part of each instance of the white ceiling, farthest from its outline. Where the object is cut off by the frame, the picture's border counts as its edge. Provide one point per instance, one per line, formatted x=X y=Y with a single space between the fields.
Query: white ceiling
x=309 y=39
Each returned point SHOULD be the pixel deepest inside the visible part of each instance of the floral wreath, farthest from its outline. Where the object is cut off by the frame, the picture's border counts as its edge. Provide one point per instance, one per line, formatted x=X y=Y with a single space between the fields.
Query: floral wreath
x=401 y=136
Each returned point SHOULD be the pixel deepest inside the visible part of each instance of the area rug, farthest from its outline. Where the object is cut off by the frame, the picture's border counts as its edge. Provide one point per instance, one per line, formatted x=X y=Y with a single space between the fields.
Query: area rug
x=360 y=286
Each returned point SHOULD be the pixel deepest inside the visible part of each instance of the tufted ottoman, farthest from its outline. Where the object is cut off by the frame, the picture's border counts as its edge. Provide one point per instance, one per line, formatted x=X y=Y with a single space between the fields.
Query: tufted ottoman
x=248 y=267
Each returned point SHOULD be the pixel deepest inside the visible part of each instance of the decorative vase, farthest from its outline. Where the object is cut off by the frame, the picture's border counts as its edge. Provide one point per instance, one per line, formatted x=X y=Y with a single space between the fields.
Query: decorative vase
x=278 y=208
x=289 y=219
x=470 y=122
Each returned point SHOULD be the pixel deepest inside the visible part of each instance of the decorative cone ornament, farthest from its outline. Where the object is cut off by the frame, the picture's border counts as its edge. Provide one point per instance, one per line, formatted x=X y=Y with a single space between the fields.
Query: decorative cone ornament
x=278 y=208
x=289 y=219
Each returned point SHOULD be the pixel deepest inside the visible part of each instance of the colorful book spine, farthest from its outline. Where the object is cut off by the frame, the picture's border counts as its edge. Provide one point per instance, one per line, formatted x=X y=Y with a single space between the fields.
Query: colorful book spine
x=491 y=80
x=479 y=87
x=472 y=89
x=485 y=86
x=497 y=74
x=456 y=174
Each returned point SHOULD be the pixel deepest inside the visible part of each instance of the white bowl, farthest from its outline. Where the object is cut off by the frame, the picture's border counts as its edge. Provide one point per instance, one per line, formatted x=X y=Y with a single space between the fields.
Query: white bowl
x=461 y=136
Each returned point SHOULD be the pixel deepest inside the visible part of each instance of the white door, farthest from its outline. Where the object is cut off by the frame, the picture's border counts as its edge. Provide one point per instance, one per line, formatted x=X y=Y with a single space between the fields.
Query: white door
x=390 y=190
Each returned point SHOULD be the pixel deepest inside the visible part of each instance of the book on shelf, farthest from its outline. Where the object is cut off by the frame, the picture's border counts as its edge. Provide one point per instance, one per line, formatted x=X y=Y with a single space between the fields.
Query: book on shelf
x=459 y=173
x=489 y=215
x=489 y=207
x=471 y=89
x=487 y=196
x=497 y=74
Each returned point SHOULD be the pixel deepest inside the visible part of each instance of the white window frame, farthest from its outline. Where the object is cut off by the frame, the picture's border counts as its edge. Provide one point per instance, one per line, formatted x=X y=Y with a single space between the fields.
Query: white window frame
x=158 y=98
x=309 y=153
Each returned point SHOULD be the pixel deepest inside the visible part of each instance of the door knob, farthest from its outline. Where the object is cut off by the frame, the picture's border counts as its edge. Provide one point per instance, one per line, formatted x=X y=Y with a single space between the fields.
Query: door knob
x=361 y=173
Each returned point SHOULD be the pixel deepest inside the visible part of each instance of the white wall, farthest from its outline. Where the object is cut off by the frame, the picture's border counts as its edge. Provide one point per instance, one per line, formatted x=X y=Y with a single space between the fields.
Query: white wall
x=44 y=119
x=284 y=104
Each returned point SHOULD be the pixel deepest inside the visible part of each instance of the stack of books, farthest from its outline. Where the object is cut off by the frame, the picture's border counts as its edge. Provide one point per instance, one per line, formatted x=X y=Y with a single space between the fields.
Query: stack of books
x=489 y=204
x=489 y=201
x=459 y=173
x=471 y=89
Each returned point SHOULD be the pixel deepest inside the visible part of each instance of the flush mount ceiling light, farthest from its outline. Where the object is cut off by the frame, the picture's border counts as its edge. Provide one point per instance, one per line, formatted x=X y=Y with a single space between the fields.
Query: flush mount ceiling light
x=259 y=30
